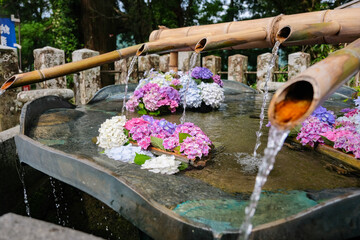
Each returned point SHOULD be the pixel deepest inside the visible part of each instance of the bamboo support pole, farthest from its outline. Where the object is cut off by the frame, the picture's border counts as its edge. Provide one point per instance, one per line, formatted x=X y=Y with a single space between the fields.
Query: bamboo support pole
x=173 y=63
x=65 y=69
x=347 y=19
x=299 y=97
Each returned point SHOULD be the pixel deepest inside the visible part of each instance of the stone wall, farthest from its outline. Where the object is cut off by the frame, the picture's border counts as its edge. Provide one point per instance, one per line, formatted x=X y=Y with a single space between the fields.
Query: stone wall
x=9 y=107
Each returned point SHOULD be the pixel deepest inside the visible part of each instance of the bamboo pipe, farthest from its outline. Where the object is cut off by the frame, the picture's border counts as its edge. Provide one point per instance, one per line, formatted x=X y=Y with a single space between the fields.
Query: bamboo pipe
x=300 y=96
x=295 y=35
x=171 y=44
x=348 y=20
x=61 y=70
x=230 y=39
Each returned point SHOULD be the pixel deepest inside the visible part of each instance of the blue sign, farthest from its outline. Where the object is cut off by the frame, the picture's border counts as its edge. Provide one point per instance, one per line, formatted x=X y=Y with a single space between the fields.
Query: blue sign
x=7 y=32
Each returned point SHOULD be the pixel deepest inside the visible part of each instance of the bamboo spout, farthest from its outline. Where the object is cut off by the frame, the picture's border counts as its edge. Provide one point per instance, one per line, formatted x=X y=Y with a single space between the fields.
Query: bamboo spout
x=307 y=32
x=73 y=67
x=229 y=40
x=300 y=96
x=171 y=44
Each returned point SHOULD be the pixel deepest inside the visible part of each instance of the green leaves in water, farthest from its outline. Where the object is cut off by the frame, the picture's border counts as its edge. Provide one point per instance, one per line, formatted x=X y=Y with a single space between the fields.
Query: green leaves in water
x=140 y=159
x=157 y=142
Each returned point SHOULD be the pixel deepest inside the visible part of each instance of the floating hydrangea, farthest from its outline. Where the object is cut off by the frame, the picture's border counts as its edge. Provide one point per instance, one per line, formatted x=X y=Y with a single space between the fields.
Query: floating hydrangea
x=344 y=131
x=195 y=145
x=212 y=94
x=217 y=80
x=158 y=92
x=201 y=73
x=126 y=153
x=151 y=97
x=324 y=115
x=311 y=131
x=111 y=133
x=163 y=164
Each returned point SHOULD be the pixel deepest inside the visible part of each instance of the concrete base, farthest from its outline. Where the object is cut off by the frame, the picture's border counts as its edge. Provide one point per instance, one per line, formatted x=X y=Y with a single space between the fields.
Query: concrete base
x=13 y=227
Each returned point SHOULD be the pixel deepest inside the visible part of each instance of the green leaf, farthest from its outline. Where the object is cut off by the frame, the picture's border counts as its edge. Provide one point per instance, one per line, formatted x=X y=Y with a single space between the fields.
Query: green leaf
x=198 y=81
x=327 y=141
x=140 y=159
x=183 y=136
x=338 y=126
x=183 y=166
x=157 y=142
x=177 y=149
x=141 y=106
x=102 y=152
x=154 y=113
x=142 y=112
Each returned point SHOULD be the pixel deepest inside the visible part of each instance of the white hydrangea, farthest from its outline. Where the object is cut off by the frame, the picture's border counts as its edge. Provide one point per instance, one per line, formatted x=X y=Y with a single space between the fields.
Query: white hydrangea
x=111 y=133
x=163 y=164
x=212 y=94
x=126 y=153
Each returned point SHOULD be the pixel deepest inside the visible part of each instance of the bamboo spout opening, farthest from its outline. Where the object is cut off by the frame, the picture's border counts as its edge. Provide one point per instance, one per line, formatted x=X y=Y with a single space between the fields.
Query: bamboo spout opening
x=292 y=105
x=200 y=45
x=141 y=50
x=8 y=83
x=283 y=34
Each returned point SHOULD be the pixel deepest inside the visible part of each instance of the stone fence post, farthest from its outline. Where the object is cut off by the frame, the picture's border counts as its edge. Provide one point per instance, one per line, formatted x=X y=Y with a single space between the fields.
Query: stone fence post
x=237 y=67
x=263 y=64
x=9 y=106
x=123 y=66
x=146 y=63
x=184 y=61
x=298 y=62
x=87 y=82
x=213 y=63
x=164 y=62
x=49 y=57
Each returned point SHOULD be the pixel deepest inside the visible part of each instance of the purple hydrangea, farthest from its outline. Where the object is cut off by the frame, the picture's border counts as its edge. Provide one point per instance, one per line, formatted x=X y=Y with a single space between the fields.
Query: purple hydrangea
x=201 y=73
x=311 y=131
x=217 y=79
x=324 y=115
x=194 y=146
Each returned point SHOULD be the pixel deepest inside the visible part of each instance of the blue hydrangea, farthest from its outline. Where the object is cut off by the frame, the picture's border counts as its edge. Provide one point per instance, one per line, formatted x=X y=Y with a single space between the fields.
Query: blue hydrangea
x=324 y=115
x=193 y=98
x=357 y=102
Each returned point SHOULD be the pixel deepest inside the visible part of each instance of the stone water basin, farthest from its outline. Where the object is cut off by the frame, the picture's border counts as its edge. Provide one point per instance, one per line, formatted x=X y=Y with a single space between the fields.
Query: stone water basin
x=301 y=197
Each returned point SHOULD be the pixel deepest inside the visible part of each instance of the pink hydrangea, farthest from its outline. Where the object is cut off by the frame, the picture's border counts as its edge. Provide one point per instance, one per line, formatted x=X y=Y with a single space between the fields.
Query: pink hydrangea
x=194 y=146
x=154 y=97
x=135 y=122
x=171 y=142
x=311 y=131
x=175 y=82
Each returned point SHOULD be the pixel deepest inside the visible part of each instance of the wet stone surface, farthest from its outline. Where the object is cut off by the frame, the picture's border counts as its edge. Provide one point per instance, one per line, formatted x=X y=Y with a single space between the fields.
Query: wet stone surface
x=228 y=176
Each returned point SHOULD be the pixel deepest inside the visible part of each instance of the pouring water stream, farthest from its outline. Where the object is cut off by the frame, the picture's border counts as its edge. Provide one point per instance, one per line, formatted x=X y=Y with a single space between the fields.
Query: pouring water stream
x=131 y=68
x=266 y=95
x=275 y=142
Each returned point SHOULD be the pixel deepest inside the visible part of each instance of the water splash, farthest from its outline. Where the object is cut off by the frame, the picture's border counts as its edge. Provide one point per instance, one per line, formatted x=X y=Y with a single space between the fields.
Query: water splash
x=26 y=201
x=275 y=142
x=192 y=64
x=266 y=95
x=131 y=68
